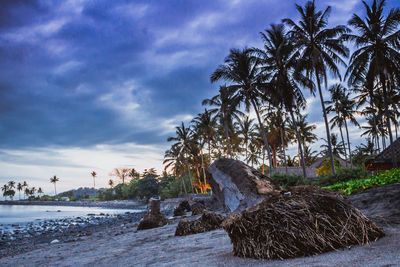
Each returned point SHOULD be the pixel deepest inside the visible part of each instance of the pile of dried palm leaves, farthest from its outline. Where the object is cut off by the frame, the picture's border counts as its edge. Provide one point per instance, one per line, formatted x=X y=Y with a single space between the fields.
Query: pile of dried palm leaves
x=207 y=222
x=307 y=221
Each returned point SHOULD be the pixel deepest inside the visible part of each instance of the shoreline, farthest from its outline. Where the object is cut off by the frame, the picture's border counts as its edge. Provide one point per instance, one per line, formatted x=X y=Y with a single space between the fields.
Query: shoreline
x=117 y=204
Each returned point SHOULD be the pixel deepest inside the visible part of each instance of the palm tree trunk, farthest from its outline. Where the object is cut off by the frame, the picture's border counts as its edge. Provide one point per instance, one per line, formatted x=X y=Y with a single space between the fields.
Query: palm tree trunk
x=94 y=183
x=388 y=124
x=348 y=143
x=227 y=137
x=263 y=165
x=263 y=135
x=190 y=177
x=299 y=142
x=209 y=150
x=204 y=171
x=344 y=144
x=328 y=134
x=55 y=190
x=183 y=185
x=283 y=149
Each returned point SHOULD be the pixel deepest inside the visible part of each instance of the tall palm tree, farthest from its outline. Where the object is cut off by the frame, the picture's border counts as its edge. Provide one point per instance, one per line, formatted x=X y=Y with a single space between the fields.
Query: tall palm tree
x=94 y=174
x=11 y=184
x=183 y=140
x=121 y=173
x=320 y=49
x=19 y=188
x=334 y=105
x=347 y=109
x=225 y=110
x=5 y=189
x=206 y=124
x=39 y=191
x=242 y=70
x=279 y=60
x=24 y=185
x=377 y=57
x=54 y=181
x=337 y=147
x=111 y=183
x=246 y=129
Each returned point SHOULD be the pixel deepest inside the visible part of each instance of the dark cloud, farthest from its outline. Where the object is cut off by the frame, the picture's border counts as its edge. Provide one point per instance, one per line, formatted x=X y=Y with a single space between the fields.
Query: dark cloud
x=83 y=73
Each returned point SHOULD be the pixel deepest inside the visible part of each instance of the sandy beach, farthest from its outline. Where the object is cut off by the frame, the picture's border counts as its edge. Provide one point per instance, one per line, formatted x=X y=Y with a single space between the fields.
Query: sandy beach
x=159 y=247
x=120 y=244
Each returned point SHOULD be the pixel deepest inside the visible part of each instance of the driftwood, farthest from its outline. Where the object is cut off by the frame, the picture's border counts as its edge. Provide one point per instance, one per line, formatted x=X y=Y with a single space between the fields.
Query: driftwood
x=306 y=221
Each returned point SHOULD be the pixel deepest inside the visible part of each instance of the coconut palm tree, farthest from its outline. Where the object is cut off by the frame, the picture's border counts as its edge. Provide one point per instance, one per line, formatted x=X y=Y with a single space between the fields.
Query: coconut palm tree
x=225 y=110
x=54 y=181
x=94 y=174
x=337 y=147
x=320 y=50
x=19 y=188
x=242 y=70
x=279 y=60
x=246 y=129
x=39 y=191
x=121 y=173
x=5 y=189
x=24 y=185
x=377 y=56
x=183 y=140
x=206 y=124
x=111 y=183
x=334 y=105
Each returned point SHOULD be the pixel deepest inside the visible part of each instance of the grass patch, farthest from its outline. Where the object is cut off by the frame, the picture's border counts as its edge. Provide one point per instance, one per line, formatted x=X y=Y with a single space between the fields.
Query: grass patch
x=386 y=177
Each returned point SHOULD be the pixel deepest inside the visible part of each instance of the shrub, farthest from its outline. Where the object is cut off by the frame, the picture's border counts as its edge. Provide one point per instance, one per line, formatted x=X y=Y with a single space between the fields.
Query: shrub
x=387 y=177
x=288 y=180
x=342 y=175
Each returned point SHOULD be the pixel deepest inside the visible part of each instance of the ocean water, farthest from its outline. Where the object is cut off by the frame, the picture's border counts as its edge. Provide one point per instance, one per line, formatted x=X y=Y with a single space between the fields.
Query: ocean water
x=20 y=214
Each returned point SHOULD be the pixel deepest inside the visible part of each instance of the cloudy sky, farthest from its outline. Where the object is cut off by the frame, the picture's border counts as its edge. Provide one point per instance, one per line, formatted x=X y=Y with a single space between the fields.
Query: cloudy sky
x=93 y=85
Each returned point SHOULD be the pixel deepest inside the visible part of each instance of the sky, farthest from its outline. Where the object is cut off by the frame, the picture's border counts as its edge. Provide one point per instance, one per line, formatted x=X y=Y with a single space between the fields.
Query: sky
x=93 y=85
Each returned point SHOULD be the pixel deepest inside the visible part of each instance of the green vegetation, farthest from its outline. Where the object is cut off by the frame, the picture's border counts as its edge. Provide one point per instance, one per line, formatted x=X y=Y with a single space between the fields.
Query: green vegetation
x=166 y=186
x=383 y=178
x=342 y=175
x=288 y=180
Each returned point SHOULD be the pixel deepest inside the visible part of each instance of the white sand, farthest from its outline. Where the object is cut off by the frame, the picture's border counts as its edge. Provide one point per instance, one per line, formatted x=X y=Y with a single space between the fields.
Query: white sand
x=159 y=247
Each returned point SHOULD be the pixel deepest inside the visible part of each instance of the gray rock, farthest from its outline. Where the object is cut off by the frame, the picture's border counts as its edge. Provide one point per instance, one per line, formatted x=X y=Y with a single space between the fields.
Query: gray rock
x=238 y=186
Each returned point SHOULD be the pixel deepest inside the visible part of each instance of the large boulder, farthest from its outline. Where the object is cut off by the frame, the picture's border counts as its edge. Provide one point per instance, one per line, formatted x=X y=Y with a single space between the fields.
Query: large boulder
x=238 y=186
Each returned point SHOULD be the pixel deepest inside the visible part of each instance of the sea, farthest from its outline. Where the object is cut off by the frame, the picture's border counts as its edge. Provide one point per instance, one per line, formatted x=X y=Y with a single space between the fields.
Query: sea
x=21 y=214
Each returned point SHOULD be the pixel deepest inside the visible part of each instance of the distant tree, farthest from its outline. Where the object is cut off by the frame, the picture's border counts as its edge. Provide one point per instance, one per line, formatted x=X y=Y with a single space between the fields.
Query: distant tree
x=121 y=173
x=20 y=187
x=53 y=180
x=4 y=188
x=148 y=186
x=27 y=191
x=24 y=185
x=40 y=191
x=111 y=183
x=134 y=174
x=94 y=174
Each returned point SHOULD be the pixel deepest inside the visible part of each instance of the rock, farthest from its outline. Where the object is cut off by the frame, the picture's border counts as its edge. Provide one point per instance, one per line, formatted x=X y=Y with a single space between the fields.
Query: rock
x=55 y=241
x=196 y=207
x=153 y=218
x=207 y=222
x=238 y=186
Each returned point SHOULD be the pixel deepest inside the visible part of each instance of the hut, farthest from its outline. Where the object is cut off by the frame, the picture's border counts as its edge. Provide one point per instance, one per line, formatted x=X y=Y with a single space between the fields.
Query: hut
x=384 y=160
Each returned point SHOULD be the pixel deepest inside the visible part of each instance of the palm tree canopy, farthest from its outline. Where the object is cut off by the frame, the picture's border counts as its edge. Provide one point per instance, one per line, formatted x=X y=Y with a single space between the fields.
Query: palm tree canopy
x=320 y=48
x=377 y=44
x=54 y=179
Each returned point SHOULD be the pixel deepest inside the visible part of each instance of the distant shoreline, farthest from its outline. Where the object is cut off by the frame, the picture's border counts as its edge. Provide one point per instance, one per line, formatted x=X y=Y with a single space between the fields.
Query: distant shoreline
x=99 y=204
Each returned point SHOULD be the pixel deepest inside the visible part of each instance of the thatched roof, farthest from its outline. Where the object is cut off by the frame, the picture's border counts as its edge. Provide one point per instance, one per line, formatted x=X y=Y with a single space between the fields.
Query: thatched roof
x=319 y=161
x=386 y=155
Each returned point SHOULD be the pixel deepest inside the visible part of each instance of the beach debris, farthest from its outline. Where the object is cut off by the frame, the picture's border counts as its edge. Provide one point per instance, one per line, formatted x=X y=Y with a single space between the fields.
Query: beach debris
x=196 y=207
x=55 y=241
x=238 y=186
x=310 y=221
x=207 y=222
x=153 y=218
